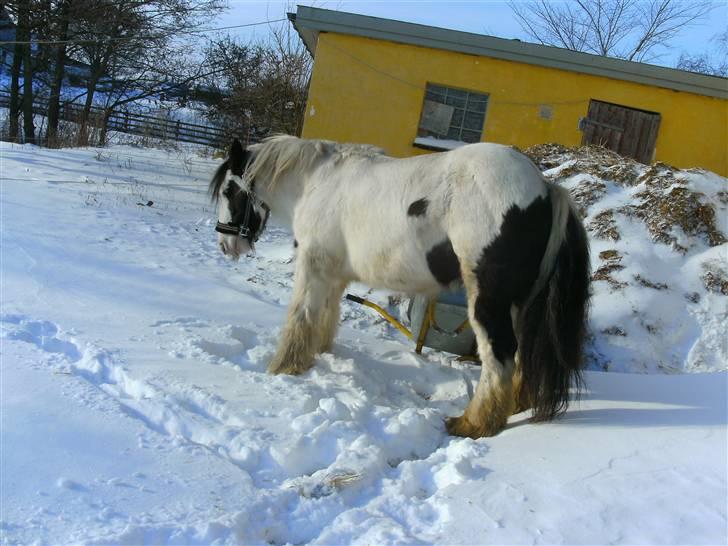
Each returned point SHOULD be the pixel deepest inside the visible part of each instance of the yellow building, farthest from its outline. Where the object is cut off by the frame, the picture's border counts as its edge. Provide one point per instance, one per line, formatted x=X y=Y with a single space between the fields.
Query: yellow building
x=412 y=88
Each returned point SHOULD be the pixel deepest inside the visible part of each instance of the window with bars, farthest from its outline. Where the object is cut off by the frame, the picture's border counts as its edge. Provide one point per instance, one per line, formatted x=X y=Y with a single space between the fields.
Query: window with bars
x=452 y=114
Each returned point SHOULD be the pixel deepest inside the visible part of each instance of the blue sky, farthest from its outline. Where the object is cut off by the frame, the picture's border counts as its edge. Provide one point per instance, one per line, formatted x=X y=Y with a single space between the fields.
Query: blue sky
x=492 y=17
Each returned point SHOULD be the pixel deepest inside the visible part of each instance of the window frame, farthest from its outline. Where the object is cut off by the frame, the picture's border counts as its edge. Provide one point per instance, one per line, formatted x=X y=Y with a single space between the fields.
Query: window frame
x=451 y=95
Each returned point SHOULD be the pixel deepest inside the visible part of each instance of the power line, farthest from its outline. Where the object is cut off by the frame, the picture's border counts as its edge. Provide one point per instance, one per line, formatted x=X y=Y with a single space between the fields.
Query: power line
x=125 y=38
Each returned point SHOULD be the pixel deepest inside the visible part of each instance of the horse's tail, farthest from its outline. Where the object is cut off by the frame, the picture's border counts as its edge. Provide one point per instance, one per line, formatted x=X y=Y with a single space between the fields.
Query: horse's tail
x=551 y=324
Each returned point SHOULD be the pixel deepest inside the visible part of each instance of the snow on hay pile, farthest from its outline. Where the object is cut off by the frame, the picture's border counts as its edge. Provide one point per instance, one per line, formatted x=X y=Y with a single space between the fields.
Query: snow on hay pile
x=659 y=259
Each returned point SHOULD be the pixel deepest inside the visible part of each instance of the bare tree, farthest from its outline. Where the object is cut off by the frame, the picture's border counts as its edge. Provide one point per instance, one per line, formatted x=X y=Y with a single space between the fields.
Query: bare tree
x=131 y=48
x=23 y=11
x=25 y=26
x=293 y=65
x=714 y=63
x=629 y=29
x=260 y=88
x=14 y=107
x=231 y=93
x=164 y=72
x=105 y=32
x=62 y=15
x=39 y=61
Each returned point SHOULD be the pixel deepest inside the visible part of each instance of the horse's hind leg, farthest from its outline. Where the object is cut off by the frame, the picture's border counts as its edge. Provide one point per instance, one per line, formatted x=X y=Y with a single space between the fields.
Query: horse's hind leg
x=493 y=401
x=301 y=338
x=520 y=396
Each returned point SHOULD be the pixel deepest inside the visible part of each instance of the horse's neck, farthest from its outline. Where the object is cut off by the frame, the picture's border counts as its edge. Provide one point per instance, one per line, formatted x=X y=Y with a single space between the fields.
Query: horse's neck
x=283 y=198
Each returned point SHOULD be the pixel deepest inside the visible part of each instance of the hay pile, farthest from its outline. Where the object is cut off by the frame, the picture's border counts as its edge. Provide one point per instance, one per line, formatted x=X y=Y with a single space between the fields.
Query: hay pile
x=659 y=258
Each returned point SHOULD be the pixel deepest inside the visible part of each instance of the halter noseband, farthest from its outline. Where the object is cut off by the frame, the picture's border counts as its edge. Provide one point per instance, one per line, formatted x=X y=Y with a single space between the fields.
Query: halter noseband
x=243 y=230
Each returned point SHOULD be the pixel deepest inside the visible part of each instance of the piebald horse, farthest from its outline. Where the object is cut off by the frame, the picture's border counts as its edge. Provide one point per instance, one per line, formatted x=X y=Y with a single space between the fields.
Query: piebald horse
x=480 y=216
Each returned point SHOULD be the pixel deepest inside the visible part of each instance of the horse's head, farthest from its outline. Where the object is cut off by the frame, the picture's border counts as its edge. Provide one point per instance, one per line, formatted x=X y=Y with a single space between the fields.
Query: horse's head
x=241 y=215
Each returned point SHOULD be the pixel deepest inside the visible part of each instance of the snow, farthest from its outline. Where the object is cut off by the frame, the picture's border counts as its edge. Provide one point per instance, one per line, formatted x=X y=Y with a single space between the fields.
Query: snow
x=136 y=408
x=439 y=143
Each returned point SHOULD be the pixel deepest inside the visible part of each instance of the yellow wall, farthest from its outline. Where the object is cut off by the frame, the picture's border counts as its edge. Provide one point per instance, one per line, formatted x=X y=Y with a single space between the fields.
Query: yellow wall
x=371 y=91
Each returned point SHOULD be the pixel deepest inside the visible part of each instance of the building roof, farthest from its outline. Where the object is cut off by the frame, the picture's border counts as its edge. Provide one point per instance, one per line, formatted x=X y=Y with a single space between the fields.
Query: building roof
x=309 y=22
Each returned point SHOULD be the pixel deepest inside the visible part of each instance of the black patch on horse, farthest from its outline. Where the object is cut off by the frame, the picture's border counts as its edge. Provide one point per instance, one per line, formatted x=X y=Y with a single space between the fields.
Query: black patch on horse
x=443 y=263
x=418 y=208
x=238 y=158
x=507 y=269
x=235 y=164
x=237 y=204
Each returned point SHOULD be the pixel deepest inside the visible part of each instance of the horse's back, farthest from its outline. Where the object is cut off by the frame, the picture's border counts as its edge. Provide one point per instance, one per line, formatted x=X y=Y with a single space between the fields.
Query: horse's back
x=499 y=170
x=404 y=211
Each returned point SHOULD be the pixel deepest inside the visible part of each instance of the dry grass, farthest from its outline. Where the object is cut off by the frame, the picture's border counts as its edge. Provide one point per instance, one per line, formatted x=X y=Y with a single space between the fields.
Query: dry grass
x=587 y=193
x=594 y=160
x=603 y=226
x=716 y=281
x=649 y=284
x=612 y=263
x=663 y=203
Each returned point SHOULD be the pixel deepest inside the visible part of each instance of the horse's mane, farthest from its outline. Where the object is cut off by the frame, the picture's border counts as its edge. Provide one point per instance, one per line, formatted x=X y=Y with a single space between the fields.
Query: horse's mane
x=277 y=154
x=217 y=180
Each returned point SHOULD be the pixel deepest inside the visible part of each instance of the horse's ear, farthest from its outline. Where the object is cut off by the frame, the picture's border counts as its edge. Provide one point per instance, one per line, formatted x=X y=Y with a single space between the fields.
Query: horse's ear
x=236 y=158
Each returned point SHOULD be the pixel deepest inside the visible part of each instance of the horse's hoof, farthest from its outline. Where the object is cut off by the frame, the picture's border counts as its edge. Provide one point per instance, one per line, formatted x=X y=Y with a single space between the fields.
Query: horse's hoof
x=286 y=369
x=283 y=370
x=460 y=426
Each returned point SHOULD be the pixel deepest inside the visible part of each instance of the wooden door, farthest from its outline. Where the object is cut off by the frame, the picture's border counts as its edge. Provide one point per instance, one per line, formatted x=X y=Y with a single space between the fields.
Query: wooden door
x=627 y=131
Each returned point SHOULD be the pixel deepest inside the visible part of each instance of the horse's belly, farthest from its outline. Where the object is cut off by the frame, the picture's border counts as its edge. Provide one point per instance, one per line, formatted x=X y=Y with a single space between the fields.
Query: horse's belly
x=387 y=248
x=398 y=268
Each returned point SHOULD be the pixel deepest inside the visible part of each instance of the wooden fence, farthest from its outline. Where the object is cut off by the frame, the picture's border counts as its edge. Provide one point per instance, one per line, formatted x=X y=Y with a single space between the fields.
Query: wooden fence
x=133 y=123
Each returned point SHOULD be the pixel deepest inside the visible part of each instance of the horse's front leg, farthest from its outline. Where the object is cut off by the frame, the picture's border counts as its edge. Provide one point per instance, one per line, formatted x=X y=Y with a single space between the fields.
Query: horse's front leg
x=330 y=318
x=302 y=335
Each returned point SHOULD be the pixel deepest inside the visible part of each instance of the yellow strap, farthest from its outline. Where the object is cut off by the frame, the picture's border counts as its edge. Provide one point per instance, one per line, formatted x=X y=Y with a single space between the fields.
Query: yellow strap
x=389 y=318
x=393 y=321
x=426 y=321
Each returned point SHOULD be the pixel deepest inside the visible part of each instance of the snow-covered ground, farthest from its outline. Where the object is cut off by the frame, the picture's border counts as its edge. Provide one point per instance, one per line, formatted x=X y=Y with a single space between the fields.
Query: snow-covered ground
x=136 y=408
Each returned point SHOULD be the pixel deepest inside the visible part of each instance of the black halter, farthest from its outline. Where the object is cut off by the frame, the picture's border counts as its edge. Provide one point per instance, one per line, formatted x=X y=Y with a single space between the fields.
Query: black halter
x=243 y=229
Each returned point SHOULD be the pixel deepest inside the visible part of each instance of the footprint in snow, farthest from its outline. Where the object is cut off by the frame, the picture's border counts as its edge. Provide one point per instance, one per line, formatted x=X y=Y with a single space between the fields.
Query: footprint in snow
x=96 y=366
x=41 y=333
x=242 y=348
x=182 y=322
